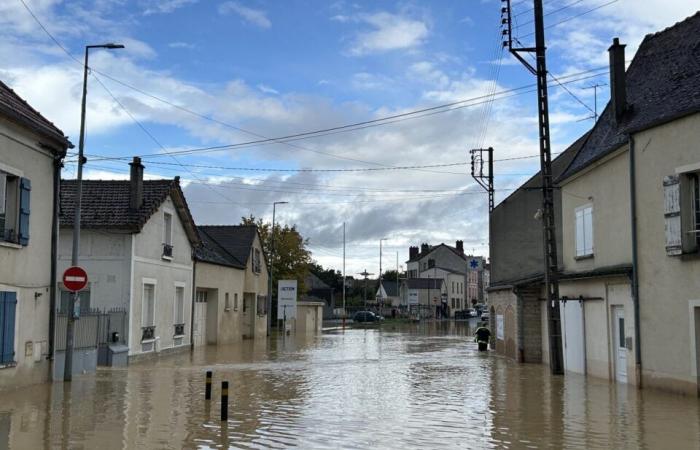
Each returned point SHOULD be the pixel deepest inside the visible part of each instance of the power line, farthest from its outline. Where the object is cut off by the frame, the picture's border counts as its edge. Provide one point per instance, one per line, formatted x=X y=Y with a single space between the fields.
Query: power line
x=568 y=19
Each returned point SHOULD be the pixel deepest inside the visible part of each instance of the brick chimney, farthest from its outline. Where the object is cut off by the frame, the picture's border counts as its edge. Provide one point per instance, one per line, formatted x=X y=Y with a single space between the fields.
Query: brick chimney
x=460 y=246
x=136 y=184
x=424 y=248
x=618 y=85
x=412 y=252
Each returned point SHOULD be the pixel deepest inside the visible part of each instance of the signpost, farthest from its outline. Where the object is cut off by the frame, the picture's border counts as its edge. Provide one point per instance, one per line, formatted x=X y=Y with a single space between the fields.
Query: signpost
x=286 y=300
x=75 y=279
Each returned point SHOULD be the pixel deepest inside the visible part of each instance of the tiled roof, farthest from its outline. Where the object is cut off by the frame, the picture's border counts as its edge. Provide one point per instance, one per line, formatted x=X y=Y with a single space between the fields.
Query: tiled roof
x=17 y=110
x=424 y=283
x=105 y=204
x=211 y=252
x=663 y=84
x=235 y=240
x=433 y=247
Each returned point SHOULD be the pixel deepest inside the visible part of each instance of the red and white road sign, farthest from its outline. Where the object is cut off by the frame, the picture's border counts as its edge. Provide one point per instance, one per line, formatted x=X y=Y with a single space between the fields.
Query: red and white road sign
x=75 y=278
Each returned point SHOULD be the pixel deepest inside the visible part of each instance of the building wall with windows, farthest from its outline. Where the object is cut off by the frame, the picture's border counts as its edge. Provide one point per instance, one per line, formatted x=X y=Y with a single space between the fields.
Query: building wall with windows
x=224 y=286
x=25 y=262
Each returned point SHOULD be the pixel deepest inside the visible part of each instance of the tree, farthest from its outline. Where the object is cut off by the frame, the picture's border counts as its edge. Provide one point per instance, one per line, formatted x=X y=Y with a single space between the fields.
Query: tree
x=291 y=258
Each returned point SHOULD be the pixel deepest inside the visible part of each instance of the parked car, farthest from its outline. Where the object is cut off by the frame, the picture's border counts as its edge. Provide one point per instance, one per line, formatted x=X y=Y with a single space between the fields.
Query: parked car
x=472 y=313
x=485 y=315
x=366 y=316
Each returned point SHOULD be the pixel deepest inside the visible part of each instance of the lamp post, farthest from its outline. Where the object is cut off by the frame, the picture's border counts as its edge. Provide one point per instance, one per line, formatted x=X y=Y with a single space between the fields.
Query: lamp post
x=380 y=265
x=270 y=255
x=68 y=365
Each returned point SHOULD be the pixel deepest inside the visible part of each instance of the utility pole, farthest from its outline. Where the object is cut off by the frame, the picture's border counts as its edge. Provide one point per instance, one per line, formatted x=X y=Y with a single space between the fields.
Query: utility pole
x=380 y=261
x=485 y=181
x=270 y=257
x=366 y=274
x=551 y=269
x=344 y=312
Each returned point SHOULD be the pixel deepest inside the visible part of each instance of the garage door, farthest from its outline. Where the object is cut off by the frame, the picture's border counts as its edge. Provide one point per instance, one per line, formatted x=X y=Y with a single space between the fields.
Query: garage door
x=199 y=333
x=573 y=336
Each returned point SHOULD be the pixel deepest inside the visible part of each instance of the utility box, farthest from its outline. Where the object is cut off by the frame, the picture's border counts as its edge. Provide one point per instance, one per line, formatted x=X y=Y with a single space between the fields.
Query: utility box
x=117 y=355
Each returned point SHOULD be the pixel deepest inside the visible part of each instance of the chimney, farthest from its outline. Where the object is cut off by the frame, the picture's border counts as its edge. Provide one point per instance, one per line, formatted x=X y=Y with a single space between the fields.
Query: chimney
x=618 y=86
x=412 y=252
x=424 y=248
x=460 y=246
x=136 y=184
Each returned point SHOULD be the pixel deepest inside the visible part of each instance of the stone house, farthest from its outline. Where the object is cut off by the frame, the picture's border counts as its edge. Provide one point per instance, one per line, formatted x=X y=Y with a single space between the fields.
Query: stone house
x=31 y=151
x=136 y=244
x=231 y=285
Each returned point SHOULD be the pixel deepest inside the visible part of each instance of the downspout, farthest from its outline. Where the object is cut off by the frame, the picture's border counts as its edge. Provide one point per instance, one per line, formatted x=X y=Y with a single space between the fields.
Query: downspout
x=635 y=266
x=57 y=164
x=194 y=296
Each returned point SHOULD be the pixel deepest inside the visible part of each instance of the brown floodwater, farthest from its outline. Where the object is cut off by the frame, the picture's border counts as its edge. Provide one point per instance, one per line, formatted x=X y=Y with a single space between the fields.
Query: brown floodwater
x=412 y=386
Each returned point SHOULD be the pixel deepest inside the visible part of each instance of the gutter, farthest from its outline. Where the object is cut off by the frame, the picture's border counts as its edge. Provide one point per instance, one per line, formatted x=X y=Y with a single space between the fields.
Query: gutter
x=194 y=296
x=635 y=263
x=57 y=164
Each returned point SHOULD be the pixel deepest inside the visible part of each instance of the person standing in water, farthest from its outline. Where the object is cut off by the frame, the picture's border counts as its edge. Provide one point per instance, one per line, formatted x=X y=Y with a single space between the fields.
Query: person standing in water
x=482 y=336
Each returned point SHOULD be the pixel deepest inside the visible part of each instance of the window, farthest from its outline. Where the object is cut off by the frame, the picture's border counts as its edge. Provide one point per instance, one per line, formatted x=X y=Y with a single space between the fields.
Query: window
x=256 y=260
x=148 y=305
x=431 y=263
x=227 y=303
x=584 y=231
x=14 y=208
x=682 y=213
x=262 y=305
x=179 y=305
x=235 y=301
x=453 y=287
x=201 y=297
x=167 y=235
x=8 y=306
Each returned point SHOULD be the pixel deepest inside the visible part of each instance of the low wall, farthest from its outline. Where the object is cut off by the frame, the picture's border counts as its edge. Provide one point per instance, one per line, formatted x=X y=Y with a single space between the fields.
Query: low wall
x=309 y=317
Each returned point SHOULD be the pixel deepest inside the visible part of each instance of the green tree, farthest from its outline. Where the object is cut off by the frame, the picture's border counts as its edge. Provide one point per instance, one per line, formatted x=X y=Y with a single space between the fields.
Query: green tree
x=291 y=258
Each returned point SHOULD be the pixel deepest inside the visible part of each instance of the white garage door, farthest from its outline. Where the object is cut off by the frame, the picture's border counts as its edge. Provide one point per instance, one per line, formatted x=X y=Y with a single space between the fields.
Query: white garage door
x=199 y=333
x=573 y=336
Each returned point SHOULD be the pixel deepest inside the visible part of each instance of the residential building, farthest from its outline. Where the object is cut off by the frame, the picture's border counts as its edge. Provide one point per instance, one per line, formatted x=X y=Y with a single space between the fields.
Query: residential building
x=388 y=293
x=423 y=296
x=319 y=291
x=231 y=285
x=631 y=224
x=517 y=261
x=31 y=151
x=136 y=244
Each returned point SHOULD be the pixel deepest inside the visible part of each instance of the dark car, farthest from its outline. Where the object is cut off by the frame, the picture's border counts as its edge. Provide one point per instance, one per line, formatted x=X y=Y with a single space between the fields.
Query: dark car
x=366 y=316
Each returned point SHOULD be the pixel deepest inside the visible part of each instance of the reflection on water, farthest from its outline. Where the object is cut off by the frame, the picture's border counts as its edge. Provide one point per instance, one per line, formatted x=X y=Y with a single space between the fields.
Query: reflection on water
x=396 y=387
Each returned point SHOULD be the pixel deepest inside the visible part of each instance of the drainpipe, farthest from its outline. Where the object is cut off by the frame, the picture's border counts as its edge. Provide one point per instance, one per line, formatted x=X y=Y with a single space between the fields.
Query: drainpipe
x=194 y=296
x=57 y=164
x=635 y=264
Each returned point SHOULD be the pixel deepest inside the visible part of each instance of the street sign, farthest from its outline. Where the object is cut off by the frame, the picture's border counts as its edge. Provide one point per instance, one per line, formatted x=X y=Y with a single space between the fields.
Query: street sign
x=75 y=278
x=286 y=299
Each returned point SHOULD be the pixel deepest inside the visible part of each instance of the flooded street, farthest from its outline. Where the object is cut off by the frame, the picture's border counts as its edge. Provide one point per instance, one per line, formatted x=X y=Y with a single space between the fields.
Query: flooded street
x=399 y=387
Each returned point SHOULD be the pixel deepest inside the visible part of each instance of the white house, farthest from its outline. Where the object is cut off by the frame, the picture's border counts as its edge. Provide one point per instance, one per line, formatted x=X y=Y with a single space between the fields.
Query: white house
x=136 y=244
x=31 y=149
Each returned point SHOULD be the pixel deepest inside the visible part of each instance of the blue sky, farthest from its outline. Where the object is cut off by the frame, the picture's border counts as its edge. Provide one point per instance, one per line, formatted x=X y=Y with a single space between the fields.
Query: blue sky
x=279 y=67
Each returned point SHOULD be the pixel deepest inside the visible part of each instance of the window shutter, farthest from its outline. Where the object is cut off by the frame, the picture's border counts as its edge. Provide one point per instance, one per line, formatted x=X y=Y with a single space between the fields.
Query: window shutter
x=25 y=187
x=580 y=245
x=672 y=214
x=588 y=231
x=8 y=304
x=3 y=186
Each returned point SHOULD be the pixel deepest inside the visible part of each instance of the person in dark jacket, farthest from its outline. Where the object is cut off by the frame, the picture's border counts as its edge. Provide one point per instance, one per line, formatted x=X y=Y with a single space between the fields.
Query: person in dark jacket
x=482 y=336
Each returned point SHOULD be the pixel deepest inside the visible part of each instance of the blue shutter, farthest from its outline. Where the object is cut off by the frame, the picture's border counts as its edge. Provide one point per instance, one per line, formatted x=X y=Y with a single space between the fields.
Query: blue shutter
x=8 y=304
x=25 y=187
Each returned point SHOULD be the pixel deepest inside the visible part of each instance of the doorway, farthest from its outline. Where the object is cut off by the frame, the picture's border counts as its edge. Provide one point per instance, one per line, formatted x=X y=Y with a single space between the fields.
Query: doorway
x=619 y=344
x=199 y=332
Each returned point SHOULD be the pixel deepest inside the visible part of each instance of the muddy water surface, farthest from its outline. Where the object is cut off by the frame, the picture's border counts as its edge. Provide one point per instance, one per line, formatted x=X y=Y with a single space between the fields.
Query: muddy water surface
x=399 y=387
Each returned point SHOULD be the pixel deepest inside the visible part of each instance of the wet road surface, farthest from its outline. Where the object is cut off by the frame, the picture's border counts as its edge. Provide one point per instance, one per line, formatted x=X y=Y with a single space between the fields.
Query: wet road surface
x=411 y=386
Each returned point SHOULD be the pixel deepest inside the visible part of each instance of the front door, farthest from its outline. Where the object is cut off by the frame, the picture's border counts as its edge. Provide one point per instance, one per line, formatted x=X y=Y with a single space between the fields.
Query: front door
x=619 y=344
x=199 y=333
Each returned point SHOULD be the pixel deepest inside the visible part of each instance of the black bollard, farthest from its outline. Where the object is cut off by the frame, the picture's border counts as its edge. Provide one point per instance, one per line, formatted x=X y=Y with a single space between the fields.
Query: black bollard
x=207 y=386
x=224 y=401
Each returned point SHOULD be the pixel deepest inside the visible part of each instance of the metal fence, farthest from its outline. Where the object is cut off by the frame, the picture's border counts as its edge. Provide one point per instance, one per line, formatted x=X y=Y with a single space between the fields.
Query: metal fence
x=93 y=329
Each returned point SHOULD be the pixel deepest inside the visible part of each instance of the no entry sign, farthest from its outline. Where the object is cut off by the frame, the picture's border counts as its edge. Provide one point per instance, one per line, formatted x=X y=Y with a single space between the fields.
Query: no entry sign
x=75 y=278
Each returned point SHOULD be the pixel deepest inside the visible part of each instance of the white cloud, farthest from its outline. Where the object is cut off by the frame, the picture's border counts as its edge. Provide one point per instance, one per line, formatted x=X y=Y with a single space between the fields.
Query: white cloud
x=256 y=17
x=164 y=6
x=267 y=89
x=388 y=32
x=179 y=44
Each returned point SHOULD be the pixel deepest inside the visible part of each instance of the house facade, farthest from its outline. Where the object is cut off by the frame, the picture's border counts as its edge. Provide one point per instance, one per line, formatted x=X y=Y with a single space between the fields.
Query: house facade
x=231 y=285
x=31 y=150
x=136 y=244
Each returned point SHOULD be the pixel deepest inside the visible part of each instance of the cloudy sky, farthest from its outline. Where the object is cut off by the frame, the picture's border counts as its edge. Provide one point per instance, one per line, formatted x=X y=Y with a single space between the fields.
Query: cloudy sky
x=202 y=74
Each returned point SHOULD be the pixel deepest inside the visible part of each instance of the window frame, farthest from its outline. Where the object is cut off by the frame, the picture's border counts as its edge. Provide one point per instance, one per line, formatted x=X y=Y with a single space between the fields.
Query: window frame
x=587 y=251
x=183 y=286
x=11 y=205
x=149 y=282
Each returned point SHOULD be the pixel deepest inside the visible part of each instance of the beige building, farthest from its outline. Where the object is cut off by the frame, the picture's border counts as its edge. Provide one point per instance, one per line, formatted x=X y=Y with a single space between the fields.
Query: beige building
x=631 y=221
x=31 y=150
x=231 y=285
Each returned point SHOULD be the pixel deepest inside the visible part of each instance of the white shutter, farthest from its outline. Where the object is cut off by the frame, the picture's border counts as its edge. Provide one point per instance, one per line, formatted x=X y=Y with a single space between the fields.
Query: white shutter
x=672 y=215
x=588 y=230
x=580 y=244
x=3 y=186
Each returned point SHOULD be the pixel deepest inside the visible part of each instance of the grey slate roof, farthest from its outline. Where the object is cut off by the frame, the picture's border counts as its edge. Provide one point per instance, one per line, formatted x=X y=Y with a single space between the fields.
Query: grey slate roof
x=433 y=247
x=211 y=252
x=663 y=84
x=390 y=288
x=235 y=240
x=16 y=109
x=424 y=283
x=105 y=204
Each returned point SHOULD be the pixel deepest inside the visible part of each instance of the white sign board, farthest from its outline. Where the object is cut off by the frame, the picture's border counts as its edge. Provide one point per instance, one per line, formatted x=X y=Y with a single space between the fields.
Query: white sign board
x=286 y=299
x=412 y=297
x=499 y=327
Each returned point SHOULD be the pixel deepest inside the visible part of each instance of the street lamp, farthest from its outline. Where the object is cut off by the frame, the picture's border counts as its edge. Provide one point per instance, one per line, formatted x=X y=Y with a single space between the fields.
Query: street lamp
x=68 y=365
x=270 y=255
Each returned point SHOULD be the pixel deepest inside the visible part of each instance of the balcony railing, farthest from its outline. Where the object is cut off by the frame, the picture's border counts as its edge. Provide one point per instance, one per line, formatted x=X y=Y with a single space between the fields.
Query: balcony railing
x=167 y=251
x=148 y=333
x=179 y=329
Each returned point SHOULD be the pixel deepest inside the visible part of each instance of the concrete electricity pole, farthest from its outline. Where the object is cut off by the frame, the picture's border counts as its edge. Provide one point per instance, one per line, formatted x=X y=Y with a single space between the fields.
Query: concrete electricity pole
x=270 y=255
